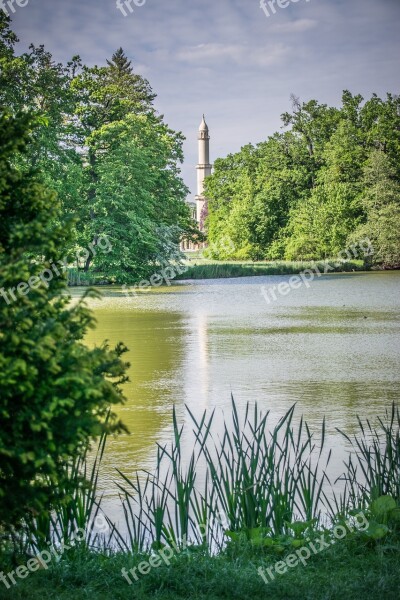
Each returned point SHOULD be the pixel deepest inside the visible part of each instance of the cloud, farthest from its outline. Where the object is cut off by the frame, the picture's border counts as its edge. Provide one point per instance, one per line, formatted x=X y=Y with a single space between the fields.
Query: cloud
x=226 y=59
x=241 y=55
x=297 y=26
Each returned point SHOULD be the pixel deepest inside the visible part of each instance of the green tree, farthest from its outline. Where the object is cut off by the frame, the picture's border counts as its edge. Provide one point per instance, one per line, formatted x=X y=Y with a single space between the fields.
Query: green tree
x=314 y=122
x=381 y=203
x=139 y=200
x=35 y=82
x=55 y=393
x=101 y=146
x=320 y=225
x=250 y=194
x=132 y=186
x=302 y=194
x=230 y=191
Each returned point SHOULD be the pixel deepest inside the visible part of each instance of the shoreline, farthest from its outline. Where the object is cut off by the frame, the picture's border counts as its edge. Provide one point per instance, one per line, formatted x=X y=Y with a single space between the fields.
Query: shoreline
x=234 y=270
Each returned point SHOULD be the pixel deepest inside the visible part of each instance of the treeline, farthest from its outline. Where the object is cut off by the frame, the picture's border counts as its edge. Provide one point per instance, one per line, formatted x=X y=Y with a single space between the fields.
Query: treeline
x=100 y=144
x=331 y=179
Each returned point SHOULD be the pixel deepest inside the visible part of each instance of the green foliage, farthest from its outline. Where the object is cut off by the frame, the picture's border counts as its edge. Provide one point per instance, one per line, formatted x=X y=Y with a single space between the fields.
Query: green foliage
x=308 y=193
x=381 y=204
x=319 y=226
x=383 y=518
x=250 y=194
x=264 y=539
x=138 y=199
x=258 y=478
x=113 y=162
x=55 y=393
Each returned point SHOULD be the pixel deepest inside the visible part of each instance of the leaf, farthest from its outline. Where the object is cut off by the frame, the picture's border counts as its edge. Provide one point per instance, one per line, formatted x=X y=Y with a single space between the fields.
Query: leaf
x=394 y=515
x=382 y=506
x=376 y=531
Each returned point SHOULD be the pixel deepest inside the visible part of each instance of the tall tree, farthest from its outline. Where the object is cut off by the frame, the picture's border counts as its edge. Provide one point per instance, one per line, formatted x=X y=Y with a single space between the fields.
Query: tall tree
x=95 y=125
x=381 y=203
x=304 y=193
x=55 y=392
x=133 y=188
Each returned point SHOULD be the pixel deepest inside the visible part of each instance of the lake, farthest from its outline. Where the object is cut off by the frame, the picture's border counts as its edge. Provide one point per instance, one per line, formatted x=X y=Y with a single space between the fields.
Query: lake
x=333 y=348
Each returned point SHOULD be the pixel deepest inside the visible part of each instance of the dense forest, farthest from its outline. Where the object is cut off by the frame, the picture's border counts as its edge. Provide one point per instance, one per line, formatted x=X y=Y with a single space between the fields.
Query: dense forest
x=99 y=143
x=330 y=179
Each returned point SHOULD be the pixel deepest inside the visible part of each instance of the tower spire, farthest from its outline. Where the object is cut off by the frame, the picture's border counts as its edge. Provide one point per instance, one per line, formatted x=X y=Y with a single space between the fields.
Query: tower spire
x=203 y=168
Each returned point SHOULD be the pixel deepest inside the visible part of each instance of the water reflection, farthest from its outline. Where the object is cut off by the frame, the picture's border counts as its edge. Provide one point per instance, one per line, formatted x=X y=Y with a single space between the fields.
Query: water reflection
x=156 y=349
x=334 y=349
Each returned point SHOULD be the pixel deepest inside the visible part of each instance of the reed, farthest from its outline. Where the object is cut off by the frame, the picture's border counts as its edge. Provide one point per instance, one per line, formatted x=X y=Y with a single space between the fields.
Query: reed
x=373 y=467
x=77 y=508
x=259 y=478
x=262 y=481
x=221 y=270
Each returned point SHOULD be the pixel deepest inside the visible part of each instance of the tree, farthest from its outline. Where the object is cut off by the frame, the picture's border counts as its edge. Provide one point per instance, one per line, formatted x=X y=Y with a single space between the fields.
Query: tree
x=35 y=82
x=319 y=226
x=230 y=193
x=139 y=201
x=314 y=122
x=55 y=393
x=132 y=188
x=250 y=194
x=381 y=204
x=303 y=194
x=111 y=159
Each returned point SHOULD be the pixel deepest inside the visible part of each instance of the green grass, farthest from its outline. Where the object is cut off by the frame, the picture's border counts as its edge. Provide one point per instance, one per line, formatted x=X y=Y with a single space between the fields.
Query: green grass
x=269 y=481
x=203 y=269
x=343 y=572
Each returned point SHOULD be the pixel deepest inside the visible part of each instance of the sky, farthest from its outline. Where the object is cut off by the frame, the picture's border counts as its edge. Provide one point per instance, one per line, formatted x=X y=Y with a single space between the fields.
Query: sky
x=229 y=59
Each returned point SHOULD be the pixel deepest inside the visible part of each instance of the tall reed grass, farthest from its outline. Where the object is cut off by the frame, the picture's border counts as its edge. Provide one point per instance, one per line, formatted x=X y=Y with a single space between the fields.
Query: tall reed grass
x=223 y=270
x=373 y=467
x=257 y=479
x=77 y=507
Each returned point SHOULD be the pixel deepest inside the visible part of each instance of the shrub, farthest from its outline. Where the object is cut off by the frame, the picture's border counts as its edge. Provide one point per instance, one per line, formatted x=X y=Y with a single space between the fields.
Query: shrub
x=55 y=393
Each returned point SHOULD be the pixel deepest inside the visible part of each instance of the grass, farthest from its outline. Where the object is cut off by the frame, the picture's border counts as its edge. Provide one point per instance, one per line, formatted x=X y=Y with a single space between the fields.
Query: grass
x=203 y=269
x=341 y=572
x=259 y=478
x=269 y=481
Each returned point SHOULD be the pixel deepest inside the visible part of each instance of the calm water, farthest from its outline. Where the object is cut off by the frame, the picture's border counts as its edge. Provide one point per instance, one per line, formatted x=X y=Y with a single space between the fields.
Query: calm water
x=333 y=348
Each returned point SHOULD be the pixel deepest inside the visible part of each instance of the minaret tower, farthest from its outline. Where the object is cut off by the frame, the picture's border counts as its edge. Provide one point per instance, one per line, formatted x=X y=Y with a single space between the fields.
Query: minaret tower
x=203 y=168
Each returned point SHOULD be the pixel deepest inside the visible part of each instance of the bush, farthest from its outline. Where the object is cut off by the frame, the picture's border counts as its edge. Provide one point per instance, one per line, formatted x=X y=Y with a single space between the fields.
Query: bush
x=54 y=392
